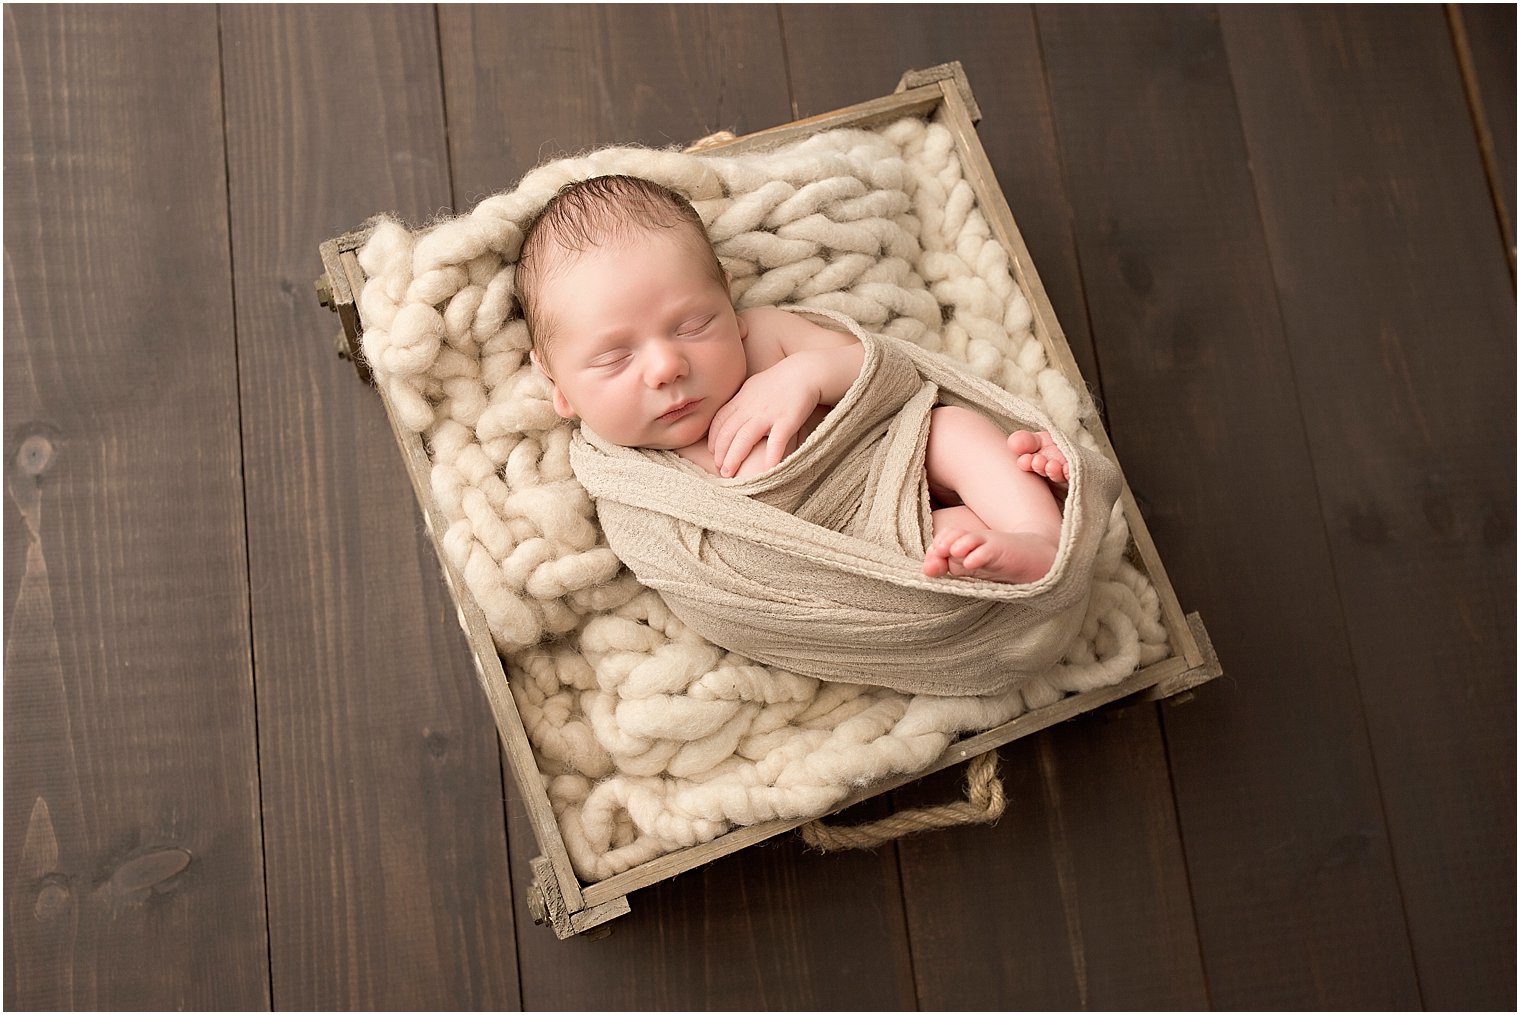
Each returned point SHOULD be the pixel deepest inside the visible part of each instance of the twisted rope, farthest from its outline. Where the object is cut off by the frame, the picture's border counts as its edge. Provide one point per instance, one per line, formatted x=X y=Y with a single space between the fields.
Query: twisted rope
x=983 y=805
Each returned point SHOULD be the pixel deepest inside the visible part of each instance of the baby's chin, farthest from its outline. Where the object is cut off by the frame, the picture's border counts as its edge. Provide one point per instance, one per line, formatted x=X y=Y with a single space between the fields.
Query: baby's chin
x=684 y=432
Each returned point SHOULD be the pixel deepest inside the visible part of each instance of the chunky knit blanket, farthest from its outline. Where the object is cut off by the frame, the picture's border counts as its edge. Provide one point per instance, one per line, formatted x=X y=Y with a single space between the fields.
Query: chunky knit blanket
x=816 y=566
x=650 y=738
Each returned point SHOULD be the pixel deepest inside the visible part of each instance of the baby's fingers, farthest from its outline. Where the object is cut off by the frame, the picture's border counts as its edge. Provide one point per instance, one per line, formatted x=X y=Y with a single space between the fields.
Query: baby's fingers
x=722 y=431
x=744 y=441
x=775 y=447
x=719 y=436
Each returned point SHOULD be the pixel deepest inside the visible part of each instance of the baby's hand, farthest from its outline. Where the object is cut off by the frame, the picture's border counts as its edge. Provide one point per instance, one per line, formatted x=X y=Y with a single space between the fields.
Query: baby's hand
x=773 y=405
x=1037 y=453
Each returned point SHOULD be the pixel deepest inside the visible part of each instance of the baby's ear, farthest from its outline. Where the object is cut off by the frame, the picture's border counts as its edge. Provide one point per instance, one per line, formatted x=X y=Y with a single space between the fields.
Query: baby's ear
x=562 y=404
x=557 y=397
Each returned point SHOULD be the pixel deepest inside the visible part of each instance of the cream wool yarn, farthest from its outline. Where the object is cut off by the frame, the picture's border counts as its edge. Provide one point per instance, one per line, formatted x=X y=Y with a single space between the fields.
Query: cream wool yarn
x=649 y=738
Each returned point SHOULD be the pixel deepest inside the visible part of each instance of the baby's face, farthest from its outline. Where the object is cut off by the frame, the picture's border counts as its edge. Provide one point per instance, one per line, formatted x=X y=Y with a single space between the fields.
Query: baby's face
x=645 y=346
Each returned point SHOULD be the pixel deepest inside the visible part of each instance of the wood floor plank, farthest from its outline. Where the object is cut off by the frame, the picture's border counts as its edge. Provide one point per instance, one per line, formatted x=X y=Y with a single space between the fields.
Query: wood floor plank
x=1288 y=854
x=1051 y=908
x=386 y=853
x=771 y=927
x=1400 y=319
x=652 y=74
x=133 y=875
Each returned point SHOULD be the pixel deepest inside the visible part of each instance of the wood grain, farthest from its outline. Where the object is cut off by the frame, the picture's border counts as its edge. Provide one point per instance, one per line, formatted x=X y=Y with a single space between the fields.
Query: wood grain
x=133 y=874
x=388 y=876
x=1014 y=934
x=1400 y=321
x=769 y=927
x=1289 y=862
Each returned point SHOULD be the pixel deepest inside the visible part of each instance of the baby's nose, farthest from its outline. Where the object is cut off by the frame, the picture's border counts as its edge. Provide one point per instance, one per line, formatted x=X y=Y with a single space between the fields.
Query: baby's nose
x=664 y=364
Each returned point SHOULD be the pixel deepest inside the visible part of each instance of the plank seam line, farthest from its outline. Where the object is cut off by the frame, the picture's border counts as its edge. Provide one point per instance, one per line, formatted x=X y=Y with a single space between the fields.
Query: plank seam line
x=907 y=922
x=1094 y=384
x=786 y=62
x=1187 y=868
x=1473 y=92
x=237 y=374
x=1336 y=585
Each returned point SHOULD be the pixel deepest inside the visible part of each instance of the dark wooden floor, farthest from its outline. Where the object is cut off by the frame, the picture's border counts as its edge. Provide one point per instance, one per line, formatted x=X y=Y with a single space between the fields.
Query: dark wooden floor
x=246 y=762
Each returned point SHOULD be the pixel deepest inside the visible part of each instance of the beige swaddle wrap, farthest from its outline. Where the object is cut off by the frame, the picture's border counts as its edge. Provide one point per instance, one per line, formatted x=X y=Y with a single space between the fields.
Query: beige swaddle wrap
x=815 y=566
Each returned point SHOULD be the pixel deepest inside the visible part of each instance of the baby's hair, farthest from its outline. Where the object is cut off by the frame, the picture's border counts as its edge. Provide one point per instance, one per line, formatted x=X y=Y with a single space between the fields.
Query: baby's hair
x=586 y=214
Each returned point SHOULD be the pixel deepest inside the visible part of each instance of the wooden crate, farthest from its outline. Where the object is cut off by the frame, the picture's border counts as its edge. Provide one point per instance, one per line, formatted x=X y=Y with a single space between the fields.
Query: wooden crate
x=556 y=896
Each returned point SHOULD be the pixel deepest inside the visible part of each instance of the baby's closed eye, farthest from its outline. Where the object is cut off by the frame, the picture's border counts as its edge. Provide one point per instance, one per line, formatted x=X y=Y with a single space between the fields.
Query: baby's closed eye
x=612 y=358
x=695 y=326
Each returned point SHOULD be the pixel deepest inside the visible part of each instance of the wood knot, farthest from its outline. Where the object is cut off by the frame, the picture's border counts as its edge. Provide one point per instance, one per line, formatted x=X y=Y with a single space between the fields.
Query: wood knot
x=52 y=899
x=1439 y=514
x=1498 y=527
x=35 y=455
x=1136 y=273
x=1366 y=524
x=149 y=870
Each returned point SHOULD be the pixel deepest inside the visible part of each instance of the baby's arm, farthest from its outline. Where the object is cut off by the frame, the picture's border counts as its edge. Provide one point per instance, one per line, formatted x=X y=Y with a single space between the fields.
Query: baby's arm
x=795 y=366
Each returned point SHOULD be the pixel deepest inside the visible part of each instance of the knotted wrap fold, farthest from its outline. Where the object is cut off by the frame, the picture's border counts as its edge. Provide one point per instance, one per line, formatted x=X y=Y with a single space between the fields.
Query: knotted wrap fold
x=816 y=565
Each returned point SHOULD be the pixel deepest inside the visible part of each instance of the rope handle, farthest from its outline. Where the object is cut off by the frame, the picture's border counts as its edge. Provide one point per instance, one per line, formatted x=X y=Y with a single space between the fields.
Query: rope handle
x=983 y=805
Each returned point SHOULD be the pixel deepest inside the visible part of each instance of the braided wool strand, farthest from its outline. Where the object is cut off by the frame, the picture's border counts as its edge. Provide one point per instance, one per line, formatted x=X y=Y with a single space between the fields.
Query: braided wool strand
x=649 y=738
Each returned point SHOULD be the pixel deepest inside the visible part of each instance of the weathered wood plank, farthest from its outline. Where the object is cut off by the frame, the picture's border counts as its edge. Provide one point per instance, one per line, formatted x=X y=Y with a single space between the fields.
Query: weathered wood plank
x=1288 y=857
x=1400 y=321
x=1048 y=909
x=386 y=856
x=769 y=927
x=133 y=874
x=542 y=81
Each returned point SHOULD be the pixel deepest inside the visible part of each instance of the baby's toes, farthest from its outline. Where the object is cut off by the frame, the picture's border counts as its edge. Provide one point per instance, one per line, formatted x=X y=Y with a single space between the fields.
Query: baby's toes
x=937 y=556
x=936 y=560
x=944 y=539
x=966 y=544
x=977 y=558
x=1022 y=442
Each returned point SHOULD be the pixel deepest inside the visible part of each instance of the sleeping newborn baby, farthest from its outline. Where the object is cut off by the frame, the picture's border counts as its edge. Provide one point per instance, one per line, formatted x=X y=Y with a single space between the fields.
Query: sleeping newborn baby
x=632 y=322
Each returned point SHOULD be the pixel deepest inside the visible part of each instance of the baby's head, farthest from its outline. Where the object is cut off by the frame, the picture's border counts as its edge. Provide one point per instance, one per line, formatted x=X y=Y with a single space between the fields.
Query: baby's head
x=587 y=215
x=629 y=312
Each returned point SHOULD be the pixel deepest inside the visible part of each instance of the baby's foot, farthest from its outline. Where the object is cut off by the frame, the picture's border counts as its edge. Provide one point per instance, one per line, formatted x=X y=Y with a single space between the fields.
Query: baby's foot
x=1013 y=557
x=1037 y=453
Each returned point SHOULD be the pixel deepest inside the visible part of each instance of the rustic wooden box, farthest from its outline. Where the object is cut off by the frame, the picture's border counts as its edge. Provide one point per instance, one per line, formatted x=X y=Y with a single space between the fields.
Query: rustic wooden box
x=556 y=896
